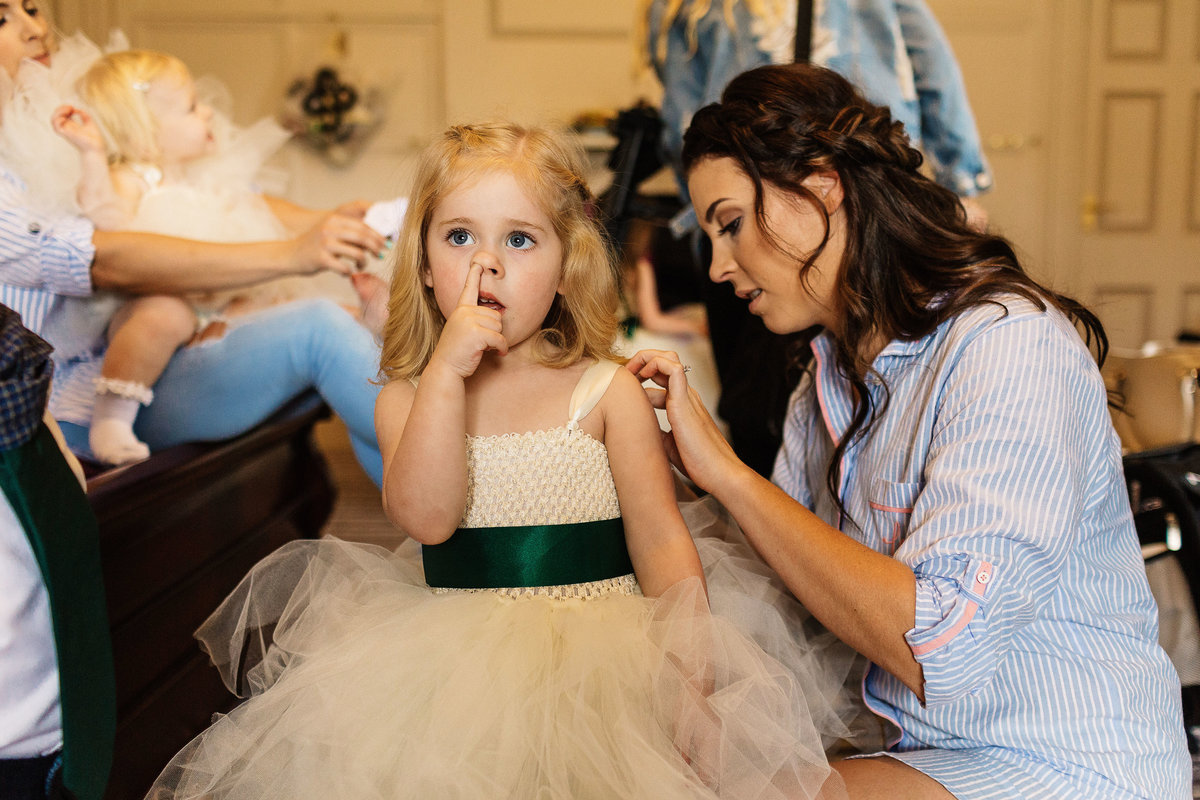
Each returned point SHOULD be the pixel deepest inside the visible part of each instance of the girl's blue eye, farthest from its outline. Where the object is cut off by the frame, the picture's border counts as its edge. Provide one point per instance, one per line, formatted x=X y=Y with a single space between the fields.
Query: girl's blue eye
x=459 y=238
x=520 y=241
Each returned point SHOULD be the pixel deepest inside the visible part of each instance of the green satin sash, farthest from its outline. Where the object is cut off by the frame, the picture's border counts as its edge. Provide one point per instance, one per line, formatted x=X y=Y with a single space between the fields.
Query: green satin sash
x=528 y=555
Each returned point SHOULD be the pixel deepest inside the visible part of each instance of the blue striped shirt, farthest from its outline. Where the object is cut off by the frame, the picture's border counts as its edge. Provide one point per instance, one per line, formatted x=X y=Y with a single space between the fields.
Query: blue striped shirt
x=995 y=474
x=45 y=276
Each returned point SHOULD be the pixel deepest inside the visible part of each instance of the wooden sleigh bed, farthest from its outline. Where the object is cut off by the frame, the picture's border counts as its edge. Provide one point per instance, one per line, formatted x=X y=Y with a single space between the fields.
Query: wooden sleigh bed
x=177 y=532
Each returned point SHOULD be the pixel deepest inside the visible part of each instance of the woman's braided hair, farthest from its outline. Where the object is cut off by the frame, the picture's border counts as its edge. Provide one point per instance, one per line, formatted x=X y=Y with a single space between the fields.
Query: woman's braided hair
x=911 y=261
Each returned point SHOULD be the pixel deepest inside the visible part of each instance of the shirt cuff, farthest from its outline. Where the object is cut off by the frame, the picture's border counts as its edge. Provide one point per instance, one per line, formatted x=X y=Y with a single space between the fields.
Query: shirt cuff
x=950 y=639
x=66 y=252
x=967 y=183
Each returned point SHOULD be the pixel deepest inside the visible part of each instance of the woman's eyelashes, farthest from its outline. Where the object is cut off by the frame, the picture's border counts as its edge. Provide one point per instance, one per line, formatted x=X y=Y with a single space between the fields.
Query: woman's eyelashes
x=30 y=9
x=516 y=240
x=730 y=228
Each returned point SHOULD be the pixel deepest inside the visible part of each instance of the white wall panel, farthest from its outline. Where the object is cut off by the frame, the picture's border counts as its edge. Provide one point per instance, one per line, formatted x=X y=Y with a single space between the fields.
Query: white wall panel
x=251 y=60
x=1129 y=160
x=1127 y=312
x=570 y=18
x=1189 y=314
x=1136 y=28
x=280 y=10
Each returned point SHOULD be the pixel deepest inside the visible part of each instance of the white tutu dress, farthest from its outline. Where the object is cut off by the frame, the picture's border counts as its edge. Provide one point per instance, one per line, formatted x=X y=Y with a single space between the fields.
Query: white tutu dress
x=364 y=682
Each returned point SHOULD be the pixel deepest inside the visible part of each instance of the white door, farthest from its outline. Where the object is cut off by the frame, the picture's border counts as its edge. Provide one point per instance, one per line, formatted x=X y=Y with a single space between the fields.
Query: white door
x=1128 y=218
x=1004 y=48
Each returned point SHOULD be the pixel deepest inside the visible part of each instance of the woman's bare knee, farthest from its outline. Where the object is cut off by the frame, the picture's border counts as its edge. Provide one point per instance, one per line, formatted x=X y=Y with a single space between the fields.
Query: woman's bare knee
x=883 y=778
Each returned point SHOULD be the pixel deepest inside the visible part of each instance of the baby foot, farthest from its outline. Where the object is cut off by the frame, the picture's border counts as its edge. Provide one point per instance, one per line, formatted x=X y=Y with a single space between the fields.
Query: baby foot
x=113 y=442
x=373 y=292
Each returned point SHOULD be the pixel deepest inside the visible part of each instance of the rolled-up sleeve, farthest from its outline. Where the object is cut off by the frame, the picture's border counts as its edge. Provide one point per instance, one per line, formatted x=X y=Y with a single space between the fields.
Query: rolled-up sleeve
x=951 y=638
x=1004 y=491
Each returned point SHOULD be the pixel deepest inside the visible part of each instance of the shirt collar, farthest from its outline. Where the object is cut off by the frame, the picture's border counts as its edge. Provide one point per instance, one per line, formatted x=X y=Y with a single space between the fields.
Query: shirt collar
x=834 y=396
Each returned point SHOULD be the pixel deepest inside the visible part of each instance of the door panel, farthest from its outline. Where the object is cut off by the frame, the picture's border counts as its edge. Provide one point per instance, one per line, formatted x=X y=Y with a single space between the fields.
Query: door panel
x=1136 y=237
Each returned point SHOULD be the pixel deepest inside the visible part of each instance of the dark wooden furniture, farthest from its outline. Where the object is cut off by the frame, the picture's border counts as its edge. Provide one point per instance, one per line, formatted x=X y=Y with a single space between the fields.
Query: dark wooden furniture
x=177 y=532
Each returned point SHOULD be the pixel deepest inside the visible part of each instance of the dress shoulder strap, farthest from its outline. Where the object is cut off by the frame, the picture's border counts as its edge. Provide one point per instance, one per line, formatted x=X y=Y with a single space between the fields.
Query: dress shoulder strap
x=150 y=174
x=591 y=387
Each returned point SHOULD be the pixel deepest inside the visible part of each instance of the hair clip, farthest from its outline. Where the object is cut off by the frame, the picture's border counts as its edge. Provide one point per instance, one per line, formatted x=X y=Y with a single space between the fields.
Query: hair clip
x=141 y=86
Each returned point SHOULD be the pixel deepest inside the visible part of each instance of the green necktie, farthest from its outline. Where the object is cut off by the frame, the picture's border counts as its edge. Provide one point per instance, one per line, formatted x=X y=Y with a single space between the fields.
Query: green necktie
x=62 y=531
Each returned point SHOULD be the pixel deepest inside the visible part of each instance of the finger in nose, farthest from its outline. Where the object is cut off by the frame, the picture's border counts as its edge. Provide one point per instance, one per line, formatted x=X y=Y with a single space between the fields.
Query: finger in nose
x=490 y=264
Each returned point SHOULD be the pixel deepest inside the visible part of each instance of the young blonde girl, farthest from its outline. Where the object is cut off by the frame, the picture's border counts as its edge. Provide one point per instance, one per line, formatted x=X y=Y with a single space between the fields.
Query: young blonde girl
x=139 y=148
x=545 y=632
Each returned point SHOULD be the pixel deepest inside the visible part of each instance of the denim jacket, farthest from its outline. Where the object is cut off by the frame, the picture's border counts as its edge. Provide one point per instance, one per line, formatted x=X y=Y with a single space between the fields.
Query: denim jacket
x=893 y=50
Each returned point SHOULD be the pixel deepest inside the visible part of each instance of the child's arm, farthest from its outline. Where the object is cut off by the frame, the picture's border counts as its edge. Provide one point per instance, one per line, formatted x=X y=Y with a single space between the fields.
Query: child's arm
x=298 y=218
x=422 y=431
x=106 y=205
x=659 y=544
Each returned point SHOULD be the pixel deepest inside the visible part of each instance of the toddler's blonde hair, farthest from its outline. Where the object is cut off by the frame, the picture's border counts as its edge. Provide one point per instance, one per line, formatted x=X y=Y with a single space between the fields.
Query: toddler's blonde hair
x=582 y=322
x=115 y=88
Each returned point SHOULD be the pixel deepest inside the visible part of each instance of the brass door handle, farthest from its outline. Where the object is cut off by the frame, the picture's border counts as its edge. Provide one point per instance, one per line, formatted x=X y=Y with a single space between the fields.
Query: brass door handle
x=1090 y=209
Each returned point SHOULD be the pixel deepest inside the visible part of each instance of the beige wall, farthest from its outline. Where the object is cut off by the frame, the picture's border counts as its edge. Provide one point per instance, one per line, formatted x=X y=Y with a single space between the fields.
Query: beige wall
x=1026 y=64
x=436 y=61
x=443 y=61
x=504 y=59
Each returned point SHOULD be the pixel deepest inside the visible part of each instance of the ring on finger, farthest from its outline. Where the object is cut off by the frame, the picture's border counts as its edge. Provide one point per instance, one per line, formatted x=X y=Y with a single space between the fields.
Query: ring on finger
x=687 y=368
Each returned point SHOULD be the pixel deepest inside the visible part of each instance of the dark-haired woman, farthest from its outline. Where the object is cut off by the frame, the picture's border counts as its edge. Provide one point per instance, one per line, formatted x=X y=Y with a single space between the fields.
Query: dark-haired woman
x=949 y=497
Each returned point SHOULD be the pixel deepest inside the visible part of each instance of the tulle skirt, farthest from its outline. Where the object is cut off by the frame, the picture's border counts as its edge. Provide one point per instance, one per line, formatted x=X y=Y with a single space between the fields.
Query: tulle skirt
x=363 y=682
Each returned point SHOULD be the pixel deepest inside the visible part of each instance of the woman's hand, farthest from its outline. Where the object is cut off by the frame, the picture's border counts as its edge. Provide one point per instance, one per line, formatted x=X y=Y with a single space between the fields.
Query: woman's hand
x=470 y=330
x=355 y=209
x=337 y=243
x=694 y=444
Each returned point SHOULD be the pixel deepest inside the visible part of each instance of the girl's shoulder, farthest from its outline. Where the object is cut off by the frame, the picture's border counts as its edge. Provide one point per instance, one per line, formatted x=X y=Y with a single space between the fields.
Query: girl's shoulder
x=623 y=393
x=603 y=392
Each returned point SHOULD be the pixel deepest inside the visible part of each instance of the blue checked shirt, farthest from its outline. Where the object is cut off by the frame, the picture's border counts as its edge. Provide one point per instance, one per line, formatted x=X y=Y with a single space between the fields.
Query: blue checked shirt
x=995 y=474
x=25 y=372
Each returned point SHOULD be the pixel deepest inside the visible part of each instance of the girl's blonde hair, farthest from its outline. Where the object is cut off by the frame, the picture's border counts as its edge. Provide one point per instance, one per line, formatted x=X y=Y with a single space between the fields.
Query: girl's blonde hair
x=115 y=90
x=582 y=322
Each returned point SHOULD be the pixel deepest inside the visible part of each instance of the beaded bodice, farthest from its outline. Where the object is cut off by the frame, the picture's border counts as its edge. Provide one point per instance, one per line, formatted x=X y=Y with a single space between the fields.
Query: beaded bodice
x=540 y=478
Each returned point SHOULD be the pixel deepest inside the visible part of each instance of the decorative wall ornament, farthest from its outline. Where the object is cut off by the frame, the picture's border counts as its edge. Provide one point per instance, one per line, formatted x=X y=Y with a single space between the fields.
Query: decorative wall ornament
x=332 y=115
x=329 y=112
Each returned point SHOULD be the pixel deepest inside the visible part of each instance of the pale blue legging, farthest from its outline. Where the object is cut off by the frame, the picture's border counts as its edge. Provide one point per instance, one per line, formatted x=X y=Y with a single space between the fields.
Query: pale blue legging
x=223 y=387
